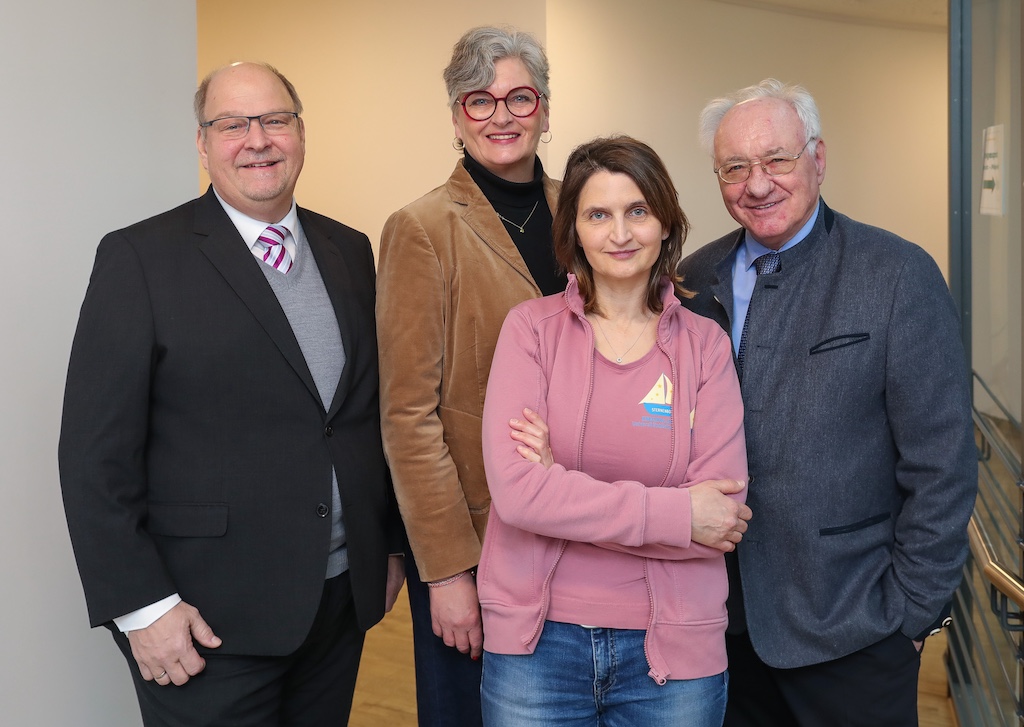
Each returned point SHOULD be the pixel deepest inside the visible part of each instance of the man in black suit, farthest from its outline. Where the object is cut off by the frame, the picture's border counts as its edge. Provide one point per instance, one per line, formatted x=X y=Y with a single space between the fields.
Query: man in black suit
x=220 y=455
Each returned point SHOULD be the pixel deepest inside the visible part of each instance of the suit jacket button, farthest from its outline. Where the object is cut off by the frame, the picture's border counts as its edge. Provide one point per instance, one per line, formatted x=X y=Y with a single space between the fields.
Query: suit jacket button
x=329 y=430
x=322 y=510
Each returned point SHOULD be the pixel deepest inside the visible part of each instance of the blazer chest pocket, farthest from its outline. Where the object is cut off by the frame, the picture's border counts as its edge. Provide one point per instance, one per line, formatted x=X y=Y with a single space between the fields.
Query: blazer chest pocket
x=854 y=527
x=188 y=519
x=831 y=344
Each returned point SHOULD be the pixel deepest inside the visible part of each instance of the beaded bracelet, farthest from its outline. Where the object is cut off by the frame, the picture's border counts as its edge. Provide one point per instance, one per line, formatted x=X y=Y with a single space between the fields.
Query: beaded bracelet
x=448 y=580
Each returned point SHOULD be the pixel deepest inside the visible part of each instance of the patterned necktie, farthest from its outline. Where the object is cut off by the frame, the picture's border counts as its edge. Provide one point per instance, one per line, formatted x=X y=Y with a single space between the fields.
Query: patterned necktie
x=270 y=248
x=765 y=265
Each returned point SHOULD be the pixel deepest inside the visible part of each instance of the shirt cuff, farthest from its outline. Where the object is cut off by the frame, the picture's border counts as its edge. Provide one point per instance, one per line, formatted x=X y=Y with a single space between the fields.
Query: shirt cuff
x=942 y=621
x=147 y=615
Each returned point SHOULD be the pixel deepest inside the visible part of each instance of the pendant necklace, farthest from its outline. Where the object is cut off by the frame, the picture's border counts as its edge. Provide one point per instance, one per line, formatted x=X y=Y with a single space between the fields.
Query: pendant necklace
x=522 y=227
x=618 y=358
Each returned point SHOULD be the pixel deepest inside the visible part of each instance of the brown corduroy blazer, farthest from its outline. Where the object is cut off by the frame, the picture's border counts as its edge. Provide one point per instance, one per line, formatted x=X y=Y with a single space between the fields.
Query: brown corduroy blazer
x=448 y=273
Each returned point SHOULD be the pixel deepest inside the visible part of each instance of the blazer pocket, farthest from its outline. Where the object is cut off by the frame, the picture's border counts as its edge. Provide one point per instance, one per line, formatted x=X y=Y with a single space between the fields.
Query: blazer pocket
x=188 y=519
x=831 y=344
x=854 y=527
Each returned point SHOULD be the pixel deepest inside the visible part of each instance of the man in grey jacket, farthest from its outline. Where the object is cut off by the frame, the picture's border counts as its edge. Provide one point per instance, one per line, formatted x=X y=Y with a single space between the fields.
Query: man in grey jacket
x=862 y=461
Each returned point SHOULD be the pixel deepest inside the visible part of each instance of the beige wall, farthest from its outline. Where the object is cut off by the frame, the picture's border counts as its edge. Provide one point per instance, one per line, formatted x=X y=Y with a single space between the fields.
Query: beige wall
x=114 y=153
x=378 y=131
x=881 y=93
x=645 y=67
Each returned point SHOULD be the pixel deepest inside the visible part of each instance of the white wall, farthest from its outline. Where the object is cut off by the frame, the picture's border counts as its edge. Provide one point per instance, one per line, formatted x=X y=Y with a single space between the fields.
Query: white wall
x=97 y=134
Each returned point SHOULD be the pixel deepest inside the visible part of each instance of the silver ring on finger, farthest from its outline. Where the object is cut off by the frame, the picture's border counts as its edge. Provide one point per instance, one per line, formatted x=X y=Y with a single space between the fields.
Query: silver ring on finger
x=158 y=677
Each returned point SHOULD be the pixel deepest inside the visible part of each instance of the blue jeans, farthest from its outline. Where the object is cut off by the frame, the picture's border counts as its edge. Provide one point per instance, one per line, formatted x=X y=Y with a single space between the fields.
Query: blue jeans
x=447 y=681
x=583 y=676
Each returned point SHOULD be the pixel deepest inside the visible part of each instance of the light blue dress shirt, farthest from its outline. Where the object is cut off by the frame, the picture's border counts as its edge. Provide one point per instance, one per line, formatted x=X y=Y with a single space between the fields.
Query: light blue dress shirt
x=744 y=275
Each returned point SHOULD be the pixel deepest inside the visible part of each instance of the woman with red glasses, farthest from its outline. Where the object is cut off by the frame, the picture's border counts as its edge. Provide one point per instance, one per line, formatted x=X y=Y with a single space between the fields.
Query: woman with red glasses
x=452 y=264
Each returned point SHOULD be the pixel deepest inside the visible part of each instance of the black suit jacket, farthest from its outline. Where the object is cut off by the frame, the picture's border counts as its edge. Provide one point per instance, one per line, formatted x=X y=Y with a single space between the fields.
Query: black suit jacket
x=195 y=453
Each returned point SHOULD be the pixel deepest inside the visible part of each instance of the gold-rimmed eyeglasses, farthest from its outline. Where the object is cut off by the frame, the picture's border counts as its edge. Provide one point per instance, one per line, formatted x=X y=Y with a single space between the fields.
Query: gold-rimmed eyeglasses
x=774 y=165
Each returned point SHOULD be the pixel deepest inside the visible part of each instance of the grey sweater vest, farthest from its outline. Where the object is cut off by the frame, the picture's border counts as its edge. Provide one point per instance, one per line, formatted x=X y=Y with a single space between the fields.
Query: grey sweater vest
x=303 y=297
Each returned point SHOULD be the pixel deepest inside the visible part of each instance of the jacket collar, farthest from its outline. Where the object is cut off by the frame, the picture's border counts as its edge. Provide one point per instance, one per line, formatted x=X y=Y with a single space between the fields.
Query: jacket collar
x=798 y=254
x=337 y=277
x=574 y=301
x=721 y=286
x=483 y=220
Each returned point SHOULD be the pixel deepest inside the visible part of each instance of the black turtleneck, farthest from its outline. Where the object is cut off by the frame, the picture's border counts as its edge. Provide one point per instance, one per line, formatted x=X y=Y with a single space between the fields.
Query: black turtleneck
x=515 y=201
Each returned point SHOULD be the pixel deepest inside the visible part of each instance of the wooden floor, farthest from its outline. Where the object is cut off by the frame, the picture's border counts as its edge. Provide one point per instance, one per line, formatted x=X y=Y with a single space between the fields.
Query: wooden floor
x=386 y=693
x=934 y=707
x=386 y=688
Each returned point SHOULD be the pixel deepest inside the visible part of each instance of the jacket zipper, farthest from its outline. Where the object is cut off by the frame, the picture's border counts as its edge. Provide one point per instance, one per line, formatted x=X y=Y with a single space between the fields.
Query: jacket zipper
x=544 y=600
x=652 y=673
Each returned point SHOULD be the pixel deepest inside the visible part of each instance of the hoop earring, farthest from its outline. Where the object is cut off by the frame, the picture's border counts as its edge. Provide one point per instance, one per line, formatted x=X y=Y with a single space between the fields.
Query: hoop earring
x=458 y=144
x=548 y=140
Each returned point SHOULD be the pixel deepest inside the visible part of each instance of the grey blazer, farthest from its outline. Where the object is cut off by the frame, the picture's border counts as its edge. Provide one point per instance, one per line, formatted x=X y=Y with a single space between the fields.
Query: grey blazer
x=859 y=436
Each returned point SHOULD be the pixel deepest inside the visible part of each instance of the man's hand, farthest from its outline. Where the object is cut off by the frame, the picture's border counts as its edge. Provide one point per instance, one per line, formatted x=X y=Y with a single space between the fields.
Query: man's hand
x=396 y=577
x=164 y=650
x=717 y=520
x=455 y=616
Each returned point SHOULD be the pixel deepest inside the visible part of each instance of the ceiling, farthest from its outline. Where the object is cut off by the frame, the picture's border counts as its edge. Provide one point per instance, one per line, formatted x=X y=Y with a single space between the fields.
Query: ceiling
x=912 y=14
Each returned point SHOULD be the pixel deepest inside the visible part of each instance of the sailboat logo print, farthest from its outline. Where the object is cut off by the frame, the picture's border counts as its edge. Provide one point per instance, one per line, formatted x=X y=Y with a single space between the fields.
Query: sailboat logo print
x=658 y=401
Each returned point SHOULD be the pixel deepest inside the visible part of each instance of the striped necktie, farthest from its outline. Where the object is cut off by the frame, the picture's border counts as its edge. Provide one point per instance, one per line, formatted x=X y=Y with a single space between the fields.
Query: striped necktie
x=270 y=248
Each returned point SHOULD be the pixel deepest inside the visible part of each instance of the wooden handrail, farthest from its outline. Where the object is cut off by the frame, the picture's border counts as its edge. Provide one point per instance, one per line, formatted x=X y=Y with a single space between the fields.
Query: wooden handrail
x=1005 y=581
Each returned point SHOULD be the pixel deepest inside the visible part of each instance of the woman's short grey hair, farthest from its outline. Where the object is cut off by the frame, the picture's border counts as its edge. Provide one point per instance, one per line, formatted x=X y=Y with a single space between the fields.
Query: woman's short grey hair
x=473 y=57
x=796 y=96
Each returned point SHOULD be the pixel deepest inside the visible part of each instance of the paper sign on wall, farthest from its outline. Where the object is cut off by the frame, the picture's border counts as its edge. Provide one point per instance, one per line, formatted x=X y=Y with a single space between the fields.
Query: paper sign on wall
x=992 y=191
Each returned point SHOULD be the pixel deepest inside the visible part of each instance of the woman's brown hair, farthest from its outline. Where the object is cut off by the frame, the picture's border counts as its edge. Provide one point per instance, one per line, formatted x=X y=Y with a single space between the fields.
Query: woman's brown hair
x=638 y=161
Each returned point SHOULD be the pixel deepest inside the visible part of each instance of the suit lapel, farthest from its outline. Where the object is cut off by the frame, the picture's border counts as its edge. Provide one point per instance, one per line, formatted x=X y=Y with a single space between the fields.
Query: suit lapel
x=223 y=246
x=484 y=221
x=336 y=275
x=721 y=286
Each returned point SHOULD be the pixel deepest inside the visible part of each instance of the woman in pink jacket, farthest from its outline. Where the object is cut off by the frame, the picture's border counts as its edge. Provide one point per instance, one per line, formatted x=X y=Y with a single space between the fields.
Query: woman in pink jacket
x=602 y=580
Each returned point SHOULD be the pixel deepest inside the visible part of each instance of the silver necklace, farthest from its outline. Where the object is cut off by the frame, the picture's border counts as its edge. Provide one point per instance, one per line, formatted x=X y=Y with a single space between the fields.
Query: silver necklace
x=522 y=227
x=618 y=358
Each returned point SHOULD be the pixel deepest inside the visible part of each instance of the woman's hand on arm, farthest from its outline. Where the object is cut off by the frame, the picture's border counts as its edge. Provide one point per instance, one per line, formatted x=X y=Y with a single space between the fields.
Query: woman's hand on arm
x=532 y=435
x=455 y=615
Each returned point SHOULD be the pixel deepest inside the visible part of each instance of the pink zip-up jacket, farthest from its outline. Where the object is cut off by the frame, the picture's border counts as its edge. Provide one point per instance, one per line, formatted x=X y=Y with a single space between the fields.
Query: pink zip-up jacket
x=544 y=360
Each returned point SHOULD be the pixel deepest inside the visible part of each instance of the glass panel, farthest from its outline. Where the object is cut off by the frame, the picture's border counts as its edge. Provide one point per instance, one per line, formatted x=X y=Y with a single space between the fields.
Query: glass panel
x=996 y=213
x=985 y=675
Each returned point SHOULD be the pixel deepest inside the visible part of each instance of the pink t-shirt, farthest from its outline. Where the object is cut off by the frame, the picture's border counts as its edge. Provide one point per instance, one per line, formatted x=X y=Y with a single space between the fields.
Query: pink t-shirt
x=634 y=403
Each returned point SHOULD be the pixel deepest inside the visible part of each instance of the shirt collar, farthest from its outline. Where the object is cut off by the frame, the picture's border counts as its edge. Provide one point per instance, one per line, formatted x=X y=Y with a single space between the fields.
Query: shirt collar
x=250 y=229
